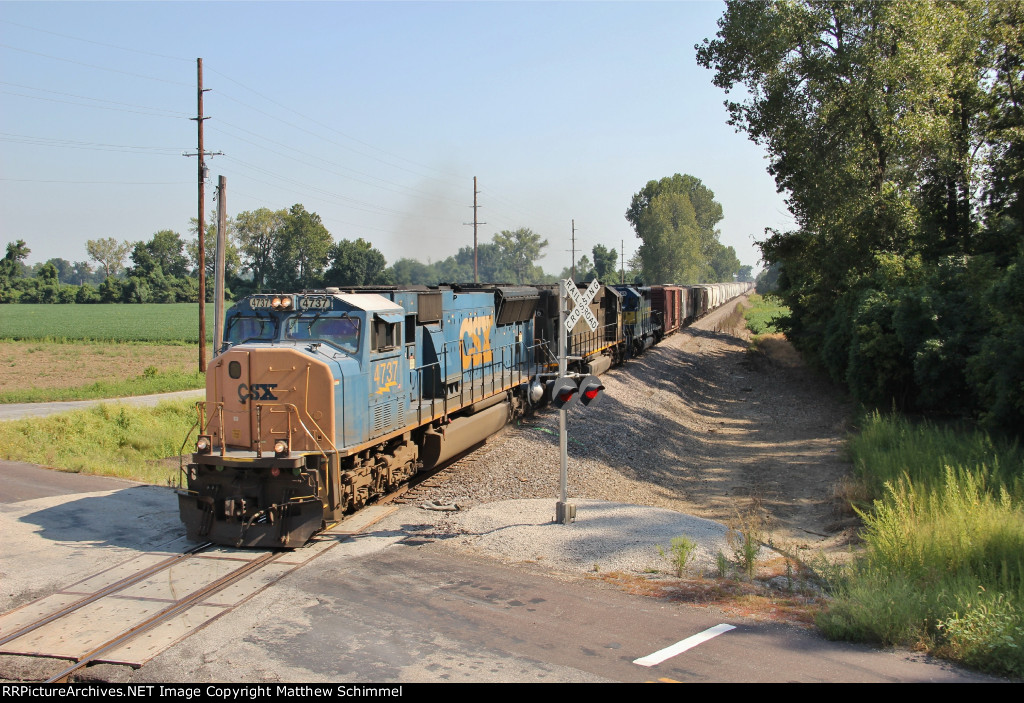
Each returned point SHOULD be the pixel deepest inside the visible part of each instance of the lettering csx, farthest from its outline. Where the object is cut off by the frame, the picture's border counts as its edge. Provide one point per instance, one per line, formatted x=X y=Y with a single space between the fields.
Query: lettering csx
x=257 y=391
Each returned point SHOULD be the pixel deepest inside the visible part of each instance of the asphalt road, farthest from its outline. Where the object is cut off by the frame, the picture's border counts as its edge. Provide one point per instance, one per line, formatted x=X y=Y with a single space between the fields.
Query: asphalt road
x=391 y=606
x=17 y=411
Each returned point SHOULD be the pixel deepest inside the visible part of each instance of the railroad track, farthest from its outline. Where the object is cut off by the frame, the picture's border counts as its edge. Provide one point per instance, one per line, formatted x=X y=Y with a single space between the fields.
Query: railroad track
x=130 y=612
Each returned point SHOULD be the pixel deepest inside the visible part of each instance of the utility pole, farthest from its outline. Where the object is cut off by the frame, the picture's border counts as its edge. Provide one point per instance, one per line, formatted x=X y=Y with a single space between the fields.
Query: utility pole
x=574 y=249
x=218 y=285
x=201 y=233
x=202 y=220
x=622 y=258
x=475 y=223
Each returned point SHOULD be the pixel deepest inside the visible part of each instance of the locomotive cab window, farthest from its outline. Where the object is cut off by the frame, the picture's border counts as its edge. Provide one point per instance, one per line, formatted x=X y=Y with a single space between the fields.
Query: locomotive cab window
x=341 y=332
x=385 y=335
x=244 y=328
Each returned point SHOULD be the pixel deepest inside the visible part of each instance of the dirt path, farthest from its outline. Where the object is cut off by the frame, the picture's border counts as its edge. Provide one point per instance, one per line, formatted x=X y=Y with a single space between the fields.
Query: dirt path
x=697 y=424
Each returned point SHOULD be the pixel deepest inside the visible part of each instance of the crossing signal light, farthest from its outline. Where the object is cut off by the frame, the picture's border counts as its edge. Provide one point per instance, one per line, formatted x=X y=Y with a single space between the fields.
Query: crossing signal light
x=564 y=392
x=590 y=389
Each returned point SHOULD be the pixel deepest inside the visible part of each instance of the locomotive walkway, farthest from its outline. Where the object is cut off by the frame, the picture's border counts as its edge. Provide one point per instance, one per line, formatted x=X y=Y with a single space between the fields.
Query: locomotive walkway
x=17 y=411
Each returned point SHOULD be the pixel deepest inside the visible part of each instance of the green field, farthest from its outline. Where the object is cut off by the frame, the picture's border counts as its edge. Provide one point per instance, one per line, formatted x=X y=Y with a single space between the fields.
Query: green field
x=166 y=323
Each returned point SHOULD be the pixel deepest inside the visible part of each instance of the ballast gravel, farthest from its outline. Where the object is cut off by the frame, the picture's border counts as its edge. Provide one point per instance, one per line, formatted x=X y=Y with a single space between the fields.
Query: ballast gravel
x=604 y=537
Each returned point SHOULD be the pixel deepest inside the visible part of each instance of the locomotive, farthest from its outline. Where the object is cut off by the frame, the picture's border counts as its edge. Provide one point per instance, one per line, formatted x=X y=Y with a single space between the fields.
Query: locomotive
x=321 y=401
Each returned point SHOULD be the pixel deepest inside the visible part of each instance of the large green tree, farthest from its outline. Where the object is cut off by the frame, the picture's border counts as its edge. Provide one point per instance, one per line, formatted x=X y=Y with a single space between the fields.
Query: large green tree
x=108 y=253
x=675 y=218
x=356 y=263
x=520 y=249
x=257 y=232
x=895 y=129
x=606 y=262
x=301 y=251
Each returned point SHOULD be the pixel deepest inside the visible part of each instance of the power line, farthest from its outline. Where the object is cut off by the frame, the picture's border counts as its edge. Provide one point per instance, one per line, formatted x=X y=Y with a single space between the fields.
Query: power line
x=96 y=43
x=138 y=108
x=406 y=190
x=89 y=65
x=94 y=146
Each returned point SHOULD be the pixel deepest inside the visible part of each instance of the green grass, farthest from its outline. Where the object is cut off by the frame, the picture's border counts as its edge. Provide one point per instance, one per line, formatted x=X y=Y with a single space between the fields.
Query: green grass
x=170 y=323
x=110 y=439
x=889 y=448
x=145 y=384
x=943 y=566
x=762 y=314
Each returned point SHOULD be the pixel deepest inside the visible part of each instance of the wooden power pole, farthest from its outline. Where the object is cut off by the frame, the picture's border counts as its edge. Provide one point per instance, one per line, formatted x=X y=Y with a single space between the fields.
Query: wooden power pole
x=201 y=233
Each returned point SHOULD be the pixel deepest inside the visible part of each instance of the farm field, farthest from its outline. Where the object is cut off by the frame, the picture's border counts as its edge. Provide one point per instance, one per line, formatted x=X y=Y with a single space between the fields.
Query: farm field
x=176 y=323
x=37 y=371
x=71 y=352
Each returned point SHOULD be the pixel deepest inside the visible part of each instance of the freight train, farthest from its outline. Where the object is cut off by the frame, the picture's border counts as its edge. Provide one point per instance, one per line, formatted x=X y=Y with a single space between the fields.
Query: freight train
x=321 y=401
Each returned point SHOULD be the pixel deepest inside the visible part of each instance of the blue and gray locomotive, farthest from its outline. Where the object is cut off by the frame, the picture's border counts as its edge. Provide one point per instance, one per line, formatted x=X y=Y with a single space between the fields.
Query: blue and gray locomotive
x=322 y=401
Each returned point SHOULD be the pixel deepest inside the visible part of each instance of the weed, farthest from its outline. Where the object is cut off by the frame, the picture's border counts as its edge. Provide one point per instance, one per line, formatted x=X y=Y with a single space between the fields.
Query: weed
x=680 y=553
x=987 y=633
x=722 y=564
x=746 y=534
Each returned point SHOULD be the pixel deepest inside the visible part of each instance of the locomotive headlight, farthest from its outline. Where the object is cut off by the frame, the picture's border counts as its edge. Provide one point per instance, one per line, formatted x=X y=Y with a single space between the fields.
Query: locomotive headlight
x=204 y=444
x=281 y=448
x=275 y=303
x=286 y=303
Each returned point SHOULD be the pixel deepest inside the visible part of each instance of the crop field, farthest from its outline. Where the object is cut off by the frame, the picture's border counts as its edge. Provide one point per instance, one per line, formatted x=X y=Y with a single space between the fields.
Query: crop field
x=77 y=352
x=174 y=323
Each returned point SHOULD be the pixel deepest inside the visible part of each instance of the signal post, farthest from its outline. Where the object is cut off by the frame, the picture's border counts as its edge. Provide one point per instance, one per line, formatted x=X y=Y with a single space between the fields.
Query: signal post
x=565 y=390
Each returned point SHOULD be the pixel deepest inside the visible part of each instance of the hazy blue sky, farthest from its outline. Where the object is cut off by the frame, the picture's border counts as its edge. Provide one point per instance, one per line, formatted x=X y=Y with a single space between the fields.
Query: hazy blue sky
x=375 y=115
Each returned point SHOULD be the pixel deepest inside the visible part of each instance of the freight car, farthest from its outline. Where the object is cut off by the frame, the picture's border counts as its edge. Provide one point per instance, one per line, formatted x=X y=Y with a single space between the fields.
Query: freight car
x=321 y=401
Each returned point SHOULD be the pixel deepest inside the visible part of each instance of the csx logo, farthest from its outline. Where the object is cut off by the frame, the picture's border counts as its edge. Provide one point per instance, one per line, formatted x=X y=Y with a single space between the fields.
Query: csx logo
x=475 y=333
x=257 y=391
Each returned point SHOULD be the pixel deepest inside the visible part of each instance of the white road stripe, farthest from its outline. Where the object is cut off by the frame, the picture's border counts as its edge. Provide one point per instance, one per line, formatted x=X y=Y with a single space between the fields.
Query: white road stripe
x=680 y=647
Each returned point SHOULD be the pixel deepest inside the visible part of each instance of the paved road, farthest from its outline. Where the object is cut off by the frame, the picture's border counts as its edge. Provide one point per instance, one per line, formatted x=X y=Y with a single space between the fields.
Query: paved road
x=394 y=605
x=17 y=411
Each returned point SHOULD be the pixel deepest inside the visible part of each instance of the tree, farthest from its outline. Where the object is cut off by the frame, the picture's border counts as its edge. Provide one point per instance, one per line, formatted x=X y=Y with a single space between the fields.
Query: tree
x=232 y=253
x=520 y=249
x=896 y=130
x=356 y=263
x=257 y=232
x=167 y=249
x=724 y=264
x=300 y=252
x=676 y=218
x=407 y=272
x=108 y=253
x=606 y=263
x=10 y=268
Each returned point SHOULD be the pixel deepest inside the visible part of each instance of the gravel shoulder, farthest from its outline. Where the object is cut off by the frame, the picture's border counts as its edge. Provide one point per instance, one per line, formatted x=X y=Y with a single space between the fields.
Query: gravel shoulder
x=698 y=425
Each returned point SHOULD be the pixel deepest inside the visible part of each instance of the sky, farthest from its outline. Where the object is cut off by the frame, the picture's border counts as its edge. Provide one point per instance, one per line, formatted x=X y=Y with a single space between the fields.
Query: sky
x=375 y=115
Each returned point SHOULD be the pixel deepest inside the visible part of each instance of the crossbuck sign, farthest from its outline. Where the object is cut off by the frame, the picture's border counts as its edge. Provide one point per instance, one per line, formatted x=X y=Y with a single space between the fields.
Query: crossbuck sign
x=581 y=304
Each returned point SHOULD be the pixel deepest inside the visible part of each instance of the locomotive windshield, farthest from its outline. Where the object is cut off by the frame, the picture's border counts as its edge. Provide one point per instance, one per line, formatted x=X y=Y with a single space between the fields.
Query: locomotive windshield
x=341 y=332
x=245 y=328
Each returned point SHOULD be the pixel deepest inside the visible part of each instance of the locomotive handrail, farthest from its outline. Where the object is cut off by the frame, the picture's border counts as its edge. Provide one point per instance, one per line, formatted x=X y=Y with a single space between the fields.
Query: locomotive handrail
x=502 y=373
x=288 y=426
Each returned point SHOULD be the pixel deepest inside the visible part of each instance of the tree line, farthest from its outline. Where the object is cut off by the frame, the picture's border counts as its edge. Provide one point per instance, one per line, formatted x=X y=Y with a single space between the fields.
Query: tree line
x=896 y=129
x=291 y=249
